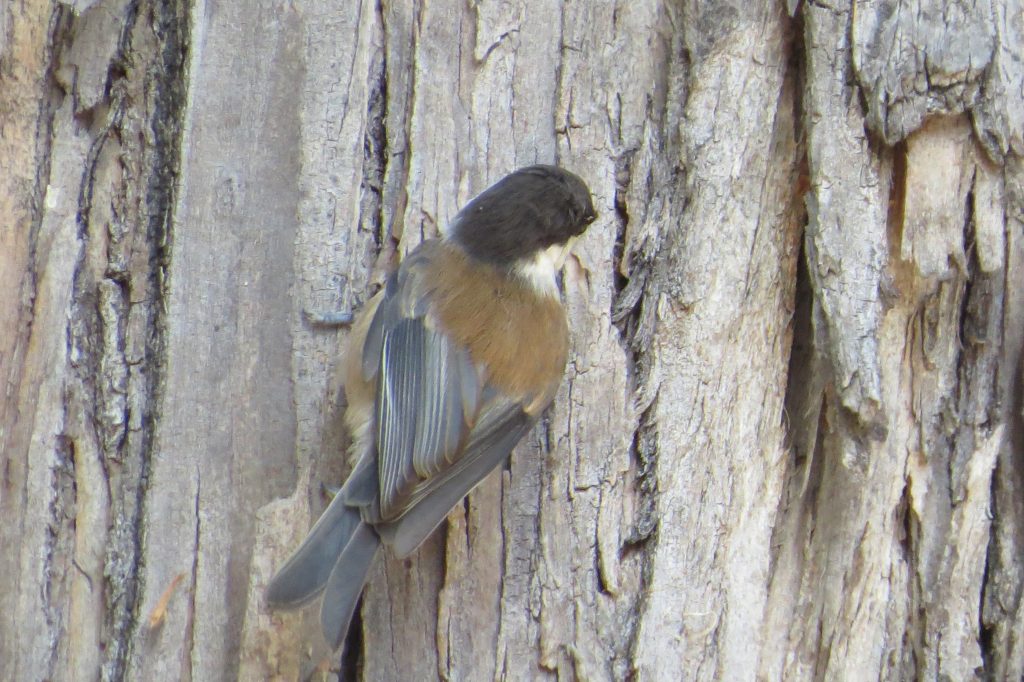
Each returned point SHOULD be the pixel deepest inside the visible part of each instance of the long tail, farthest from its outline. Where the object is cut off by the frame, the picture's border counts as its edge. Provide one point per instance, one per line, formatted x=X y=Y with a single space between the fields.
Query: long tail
x=306 y=572
x=336 y=555
x=346 y=583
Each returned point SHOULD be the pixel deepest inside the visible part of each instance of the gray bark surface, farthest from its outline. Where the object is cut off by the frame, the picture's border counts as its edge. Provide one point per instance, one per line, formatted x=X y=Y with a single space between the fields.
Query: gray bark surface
x=789 y=441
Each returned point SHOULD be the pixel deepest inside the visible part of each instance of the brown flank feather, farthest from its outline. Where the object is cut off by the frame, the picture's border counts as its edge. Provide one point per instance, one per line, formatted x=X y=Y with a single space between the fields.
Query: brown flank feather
x=359 y=394
x=503 y=322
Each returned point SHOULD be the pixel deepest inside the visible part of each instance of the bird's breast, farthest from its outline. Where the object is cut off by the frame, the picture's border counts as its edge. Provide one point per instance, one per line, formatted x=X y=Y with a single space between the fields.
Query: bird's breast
x=520 y=336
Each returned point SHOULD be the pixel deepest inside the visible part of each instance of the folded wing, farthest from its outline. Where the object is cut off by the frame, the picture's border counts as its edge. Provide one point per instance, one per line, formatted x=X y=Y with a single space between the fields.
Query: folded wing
x=440 y=428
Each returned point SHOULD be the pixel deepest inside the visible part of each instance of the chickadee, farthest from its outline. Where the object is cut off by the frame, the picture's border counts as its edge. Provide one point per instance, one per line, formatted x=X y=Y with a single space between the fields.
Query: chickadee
x=448 y=367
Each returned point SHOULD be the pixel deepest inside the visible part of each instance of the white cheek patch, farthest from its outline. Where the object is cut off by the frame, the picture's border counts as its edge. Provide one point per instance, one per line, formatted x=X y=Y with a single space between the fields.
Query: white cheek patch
x=541 y=270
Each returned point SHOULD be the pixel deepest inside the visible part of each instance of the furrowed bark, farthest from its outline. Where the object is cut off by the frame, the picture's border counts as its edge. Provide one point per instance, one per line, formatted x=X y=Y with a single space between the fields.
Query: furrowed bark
x=788 y=443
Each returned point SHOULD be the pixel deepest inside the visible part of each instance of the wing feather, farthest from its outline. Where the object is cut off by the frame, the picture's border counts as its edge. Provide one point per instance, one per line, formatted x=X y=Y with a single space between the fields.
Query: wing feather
x=439 y=428
x=420 y=412
x=491 y=441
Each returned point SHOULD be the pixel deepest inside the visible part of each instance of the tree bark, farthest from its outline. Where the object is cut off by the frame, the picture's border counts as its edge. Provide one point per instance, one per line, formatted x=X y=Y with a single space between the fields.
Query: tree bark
x=789 y=441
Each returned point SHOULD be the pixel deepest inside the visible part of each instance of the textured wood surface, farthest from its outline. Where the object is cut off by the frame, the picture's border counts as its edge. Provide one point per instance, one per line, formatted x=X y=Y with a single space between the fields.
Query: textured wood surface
x=788 y=445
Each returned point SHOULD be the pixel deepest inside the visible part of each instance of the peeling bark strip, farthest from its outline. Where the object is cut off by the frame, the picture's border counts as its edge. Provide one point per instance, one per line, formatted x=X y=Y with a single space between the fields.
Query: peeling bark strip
x=788 y=443
x=926 y=58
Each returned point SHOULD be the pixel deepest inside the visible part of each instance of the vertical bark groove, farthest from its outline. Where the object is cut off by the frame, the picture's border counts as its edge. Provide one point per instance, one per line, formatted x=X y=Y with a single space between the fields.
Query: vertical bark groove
x=788 y=444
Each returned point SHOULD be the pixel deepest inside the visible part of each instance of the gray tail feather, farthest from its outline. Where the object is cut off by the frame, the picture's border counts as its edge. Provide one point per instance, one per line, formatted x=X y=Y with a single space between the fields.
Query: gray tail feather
x=345 y=583
x=306 y=572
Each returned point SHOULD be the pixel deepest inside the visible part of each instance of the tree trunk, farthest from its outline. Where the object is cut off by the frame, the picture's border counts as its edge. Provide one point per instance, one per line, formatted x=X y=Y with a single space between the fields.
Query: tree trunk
x=790 y=440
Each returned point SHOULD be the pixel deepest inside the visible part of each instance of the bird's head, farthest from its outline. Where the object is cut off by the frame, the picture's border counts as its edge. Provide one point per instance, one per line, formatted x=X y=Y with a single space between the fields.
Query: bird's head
x=523 y=215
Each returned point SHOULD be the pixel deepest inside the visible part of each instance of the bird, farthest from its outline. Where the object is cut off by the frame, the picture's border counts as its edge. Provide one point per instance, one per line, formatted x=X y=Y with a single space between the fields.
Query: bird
x=448 y=367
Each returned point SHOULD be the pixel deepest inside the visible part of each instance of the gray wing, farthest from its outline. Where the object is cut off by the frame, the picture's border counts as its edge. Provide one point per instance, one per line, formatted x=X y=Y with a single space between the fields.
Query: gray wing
x=438 y=430
x=501 y=425
x=420 y=416
x=428 y=393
